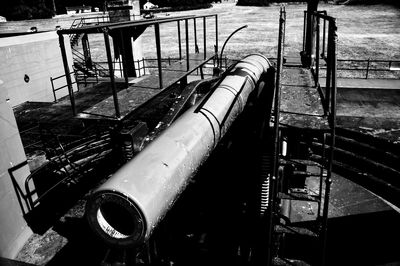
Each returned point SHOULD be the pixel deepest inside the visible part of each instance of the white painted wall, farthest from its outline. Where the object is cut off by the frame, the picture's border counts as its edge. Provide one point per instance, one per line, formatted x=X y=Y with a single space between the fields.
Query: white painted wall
x=13 y=228
x=138 y=43
x=37 y=56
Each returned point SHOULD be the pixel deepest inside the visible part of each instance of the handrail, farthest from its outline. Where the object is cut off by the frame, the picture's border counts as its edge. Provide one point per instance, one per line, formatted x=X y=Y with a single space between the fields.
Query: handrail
x=82 y=57
x=276 y=149
x=328 y=99
x=59 y=165
x=119 y=26
x=61 y=87
x=327 y=96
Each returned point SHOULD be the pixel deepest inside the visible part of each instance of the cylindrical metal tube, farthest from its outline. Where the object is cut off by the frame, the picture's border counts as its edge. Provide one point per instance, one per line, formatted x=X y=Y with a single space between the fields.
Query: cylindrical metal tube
x=125 y=210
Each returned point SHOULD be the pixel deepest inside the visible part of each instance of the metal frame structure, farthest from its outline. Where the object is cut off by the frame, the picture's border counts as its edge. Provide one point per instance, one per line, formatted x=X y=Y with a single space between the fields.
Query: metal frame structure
x=66 y=169
x=106 y=29
x=321 y=32
x=328 y=100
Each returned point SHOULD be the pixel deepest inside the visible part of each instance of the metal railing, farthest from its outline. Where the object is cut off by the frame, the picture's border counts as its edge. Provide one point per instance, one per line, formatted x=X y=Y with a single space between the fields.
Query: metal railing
x=330 y=47
x=55 y=89
x=323 y=41
x=370 y=67
x=98 y=66
x=328 y=95
x=64 y=167
x=119 y=27
x=277 y=105
x=97 y=20
x=359 y=65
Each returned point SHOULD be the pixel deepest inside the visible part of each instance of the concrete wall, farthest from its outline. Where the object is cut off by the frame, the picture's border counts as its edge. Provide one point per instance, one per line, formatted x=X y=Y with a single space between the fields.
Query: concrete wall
x=138 y=43
x=13 y=229
x=38 y=56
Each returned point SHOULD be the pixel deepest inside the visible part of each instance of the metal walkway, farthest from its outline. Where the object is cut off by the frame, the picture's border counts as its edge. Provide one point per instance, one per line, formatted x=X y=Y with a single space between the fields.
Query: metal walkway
x=144 y=90
x=300 y=103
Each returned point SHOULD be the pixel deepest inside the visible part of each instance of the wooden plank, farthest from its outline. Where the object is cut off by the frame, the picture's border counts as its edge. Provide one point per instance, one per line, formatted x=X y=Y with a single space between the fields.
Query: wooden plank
x=144 y=90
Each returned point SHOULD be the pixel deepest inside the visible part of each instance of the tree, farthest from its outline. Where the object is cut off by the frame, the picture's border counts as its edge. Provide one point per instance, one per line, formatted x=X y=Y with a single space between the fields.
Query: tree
x=26 y=9
x=253 y=2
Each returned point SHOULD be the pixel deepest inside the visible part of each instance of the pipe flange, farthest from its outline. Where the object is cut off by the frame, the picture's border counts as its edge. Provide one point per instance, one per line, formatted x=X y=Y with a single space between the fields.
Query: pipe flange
x=116 y=219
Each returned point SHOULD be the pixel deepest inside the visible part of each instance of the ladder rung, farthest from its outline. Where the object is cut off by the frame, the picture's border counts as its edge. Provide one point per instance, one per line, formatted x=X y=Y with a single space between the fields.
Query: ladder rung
x=298 y=196
x=290 y=229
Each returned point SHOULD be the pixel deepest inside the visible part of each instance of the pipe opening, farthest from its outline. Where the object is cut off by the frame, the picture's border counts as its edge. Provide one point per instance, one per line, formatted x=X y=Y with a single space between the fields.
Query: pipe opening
x=115 y=220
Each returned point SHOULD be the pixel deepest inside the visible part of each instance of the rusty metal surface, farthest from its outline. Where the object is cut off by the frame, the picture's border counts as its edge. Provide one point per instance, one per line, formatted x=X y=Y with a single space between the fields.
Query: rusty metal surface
x=299 y=94
x=304 y=121
x=301 y=104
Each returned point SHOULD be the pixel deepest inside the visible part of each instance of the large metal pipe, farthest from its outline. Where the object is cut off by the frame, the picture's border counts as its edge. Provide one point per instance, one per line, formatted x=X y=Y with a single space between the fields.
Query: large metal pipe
x=125 y=210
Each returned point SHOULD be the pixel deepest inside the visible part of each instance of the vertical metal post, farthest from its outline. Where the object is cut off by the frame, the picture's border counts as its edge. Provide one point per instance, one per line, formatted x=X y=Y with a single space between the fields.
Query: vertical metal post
x=144 y=66
x=86 y=51
x=368 y=62
x=216 y=34
x=277 y=104
x=52 y=87
x=187 y=44
x=334 y=73
x=321 y=174
x=328 y=180
x=317 y=53
x=124 y=65
x=328 y=69
x=111 y=73
x=120 y=66
x=304 y=30
x=179 y=39
x=323 y=39
x=196 y=48
x=205 y=37
x=97 y=73
x=308 y=56
x=67 y=74
x=158 y=46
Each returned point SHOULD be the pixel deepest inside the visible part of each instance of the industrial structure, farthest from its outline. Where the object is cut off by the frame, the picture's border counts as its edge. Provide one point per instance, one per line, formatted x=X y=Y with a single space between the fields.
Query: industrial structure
x=198 y=159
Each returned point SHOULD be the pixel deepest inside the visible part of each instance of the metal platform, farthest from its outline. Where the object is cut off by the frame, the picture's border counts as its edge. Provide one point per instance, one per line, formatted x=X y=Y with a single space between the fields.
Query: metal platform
x=301 y=103
x=144 y=90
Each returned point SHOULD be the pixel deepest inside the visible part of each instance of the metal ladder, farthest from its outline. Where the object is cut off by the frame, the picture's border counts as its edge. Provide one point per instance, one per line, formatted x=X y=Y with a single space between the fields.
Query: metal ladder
x=290 y=172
